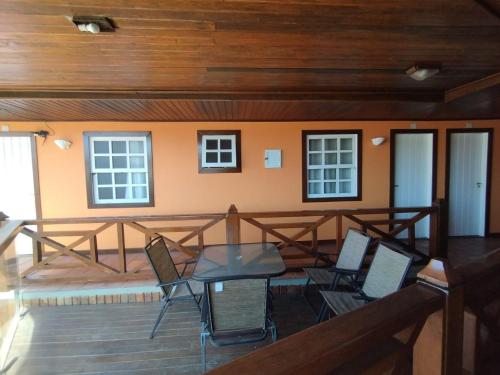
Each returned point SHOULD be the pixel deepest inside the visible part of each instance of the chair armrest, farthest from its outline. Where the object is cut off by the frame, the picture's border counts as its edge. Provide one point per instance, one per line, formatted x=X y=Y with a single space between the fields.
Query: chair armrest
x=319 y=254
x=188 y=261
x=364 y=297
x=343 y=271
x=176 y=282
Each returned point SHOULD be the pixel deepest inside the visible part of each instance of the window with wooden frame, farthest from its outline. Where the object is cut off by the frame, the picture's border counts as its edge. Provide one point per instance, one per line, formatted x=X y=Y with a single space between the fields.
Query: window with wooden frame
x=331 y=163
x=219 y=151
x=119 y=169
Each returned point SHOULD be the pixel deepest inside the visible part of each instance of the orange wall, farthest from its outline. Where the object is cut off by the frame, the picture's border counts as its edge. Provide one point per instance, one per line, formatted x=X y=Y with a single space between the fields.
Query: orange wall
x=179 y=188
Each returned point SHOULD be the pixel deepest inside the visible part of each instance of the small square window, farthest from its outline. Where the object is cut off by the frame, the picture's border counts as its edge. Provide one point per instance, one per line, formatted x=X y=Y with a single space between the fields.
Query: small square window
x=219 y=151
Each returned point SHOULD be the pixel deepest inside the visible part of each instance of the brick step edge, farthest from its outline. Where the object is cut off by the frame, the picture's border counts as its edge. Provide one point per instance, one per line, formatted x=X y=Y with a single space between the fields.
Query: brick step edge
x=145 y=297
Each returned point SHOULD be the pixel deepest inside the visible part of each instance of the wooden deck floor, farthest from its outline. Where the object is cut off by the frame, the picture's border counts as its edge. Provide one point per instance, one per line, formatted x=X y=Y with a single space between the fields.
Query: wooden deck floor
x=113 y=339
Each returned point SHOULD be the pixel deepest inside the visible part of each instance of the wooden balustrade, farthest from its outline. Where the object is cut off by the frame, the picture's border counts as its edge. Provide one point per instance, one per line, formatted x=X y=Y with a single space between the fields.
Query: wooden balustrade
x=137 y=223
x=377 y=221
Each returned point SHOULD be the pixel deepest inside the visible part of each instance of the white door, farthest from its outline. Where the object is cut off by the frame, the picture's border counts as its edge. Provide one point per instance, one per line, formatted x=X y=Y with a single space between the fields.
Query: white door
x=413 y=176
x=467 y=189
x=17 y=192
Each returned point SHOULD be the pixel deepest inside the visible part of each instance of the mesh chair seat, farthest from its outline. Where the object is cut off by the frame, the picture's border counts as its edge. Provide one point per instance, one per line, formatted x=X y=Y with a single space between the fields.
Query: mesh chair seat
x=385 y=276
x=322 y=276
x=341 y=302
x=181 y=290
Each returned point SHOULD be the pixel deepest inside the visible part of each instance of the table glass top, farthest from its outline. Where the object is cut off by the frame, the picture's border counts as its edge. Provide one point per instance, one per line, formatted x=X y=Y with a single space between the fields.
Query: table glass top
x=223 y=262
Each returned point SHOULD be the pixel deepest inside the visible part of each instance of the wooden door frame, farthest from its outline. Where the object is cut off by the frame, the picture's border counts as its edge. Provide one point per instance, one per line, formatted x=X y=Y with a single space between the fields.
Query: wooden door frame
x=395 y=132
x=34 y=163
x=489 y=165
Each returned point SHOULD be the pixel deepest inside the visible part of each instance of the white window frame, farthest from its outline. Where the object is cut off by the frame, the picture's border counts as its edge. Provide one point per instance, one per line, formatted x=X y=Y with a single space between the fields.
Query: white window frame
x=354 y=175
x=218 y=138
x=93 y=171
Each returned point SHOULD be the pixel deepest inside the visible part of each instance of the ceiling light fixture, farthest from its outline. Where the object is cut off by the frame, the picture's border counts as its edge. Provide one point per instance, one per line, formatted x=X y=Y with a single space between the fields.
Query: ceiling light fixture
x=89 y=27
x=421 y=71
x=94 y=24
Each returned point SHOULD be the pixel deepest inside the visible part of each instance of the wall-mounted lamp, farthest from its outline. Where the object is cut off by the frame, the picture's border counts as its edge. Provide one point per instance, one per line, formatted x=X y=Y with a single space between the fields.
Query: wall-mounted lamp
x=377 y=141
x=63 y=144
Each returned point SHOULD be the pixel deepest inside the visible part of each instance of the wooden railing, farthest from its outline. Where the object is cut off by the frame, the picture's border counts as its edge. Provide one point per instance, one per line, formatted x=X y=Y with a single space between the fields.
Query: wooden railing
x=137 y=223
x=9 y=286
x=379 y=338
x=379 y=222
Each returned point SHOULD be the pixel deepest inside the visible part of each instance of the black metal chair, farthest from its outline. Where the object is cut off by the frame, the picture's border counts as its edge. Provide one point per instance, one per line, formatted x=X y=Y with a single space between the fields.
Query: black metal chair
x=386 y=275
x=347 y=268
x=235 y=312
x=173 y=285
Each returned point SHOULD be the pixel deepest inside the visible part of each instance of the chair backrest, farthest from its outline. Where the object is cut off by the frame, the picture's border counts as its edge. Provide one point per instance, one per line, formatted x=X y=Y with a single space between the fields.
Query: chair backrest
x=162 y=263
x=353 y=250
x=237 y=305
x=387 y=272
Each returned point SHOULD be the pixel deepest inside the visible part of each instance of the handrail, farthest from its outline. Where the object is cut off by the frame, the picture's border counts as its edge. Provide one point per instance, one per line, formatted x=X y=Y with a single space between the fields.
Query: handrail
x=330 y=345
x=8 y=231
x=124 y=219
x=343 y=211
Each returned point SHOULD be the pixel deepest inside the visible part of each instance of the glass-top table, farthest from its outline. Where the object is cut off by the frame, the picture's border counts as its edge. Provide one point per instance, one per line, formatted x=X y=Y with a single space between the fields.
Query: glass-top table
x=241 y=261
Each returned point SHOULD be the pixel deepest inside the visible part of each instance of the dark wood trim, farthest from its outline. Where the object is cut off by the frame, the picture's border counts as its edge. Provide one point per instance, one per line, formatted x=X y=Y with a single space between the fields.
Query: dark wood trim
x=88 y=176
x=359 y=196
x=236 y=133
x=488 y=7
x=472 y=87
x=436 y=96
x=394 y=132
x=489 y=165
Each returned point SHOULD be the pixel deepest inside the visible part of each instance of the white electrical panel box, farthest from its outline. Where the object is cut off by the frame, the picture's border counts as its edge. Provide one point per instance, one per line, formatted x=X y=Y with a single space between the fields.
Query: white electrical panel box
x=219 y=287
x=272 y=158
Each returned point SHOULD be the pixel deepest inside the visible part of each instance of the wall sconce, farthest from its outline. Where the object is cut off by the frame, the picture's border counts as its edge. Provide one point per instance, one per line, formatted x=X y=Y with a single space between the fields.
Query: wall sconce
x=63 y=144
x=377 y=141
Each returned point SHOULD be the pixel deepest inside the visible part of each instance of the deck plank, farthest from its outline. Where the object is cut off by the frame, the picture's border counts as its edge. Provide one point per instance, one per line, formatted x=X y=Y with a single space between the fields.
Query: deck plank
x=113 y=339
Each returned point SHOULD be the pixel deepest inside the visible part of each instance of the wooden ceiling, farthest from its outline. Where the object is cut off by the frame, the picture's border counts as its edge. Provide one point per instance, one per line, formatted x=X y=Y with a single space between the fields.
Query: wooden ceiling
x=185 y=60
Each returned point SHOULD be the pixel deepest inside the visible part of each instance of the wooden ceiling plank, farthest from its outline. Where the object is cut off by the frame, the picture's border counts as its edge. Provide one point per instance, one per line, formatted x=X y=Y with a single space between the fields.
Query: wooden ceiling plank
x=404 y=11
x=472 y=87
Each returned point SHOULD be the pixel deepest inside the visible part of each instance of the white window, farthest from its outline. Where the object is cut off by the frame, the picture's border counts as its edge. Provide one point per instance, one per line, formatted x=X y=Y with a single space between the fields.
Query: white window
x=119 y=169
x=332 y=165
x=219 y=151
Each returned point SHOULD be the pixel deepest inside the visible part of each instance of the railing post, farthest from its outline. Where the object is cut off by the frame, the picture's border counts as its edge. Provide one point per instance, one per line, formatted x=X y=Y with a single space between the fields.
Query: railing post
x=122 y=258
x=444 y=330
x=438 y=241
x=339 y=233
x=232 y=225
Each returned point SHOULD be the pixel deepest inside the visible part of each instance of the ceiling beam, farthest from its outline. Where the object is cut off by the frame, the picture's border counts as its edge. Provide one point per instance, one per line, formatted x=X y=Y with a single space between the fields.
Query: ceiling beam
x=471 y=87
x=393 y=95
x=489 y=8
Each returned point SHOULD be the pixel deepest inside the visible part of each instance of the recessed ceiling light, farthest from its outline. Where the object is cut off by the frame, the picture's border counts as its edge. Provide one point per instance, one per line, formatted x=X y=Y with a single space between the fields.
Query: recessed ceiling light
x=94 y=24
x=422 y=71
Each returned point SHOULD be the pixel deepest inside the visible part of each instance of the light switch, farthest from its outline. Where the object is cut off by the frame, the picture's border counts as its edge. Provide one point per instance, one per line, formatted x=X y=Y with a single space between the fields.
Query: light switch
x=272 y=158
